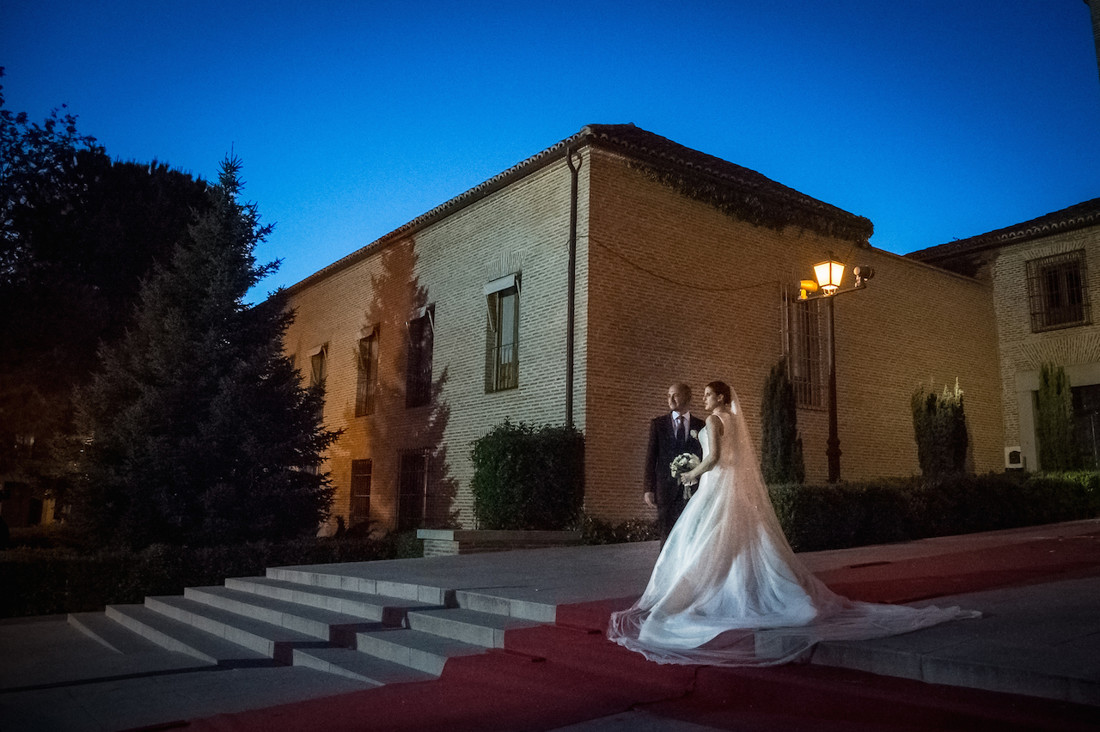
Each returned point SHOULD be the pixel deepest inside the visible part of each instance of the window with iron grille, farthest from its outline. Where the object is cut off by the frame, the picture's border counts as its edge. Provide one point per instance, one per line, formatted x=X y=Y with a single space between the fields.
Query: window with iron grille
x=1057 y=290
x=418 y=370
x=366 y=385
x=806 y=351
x=502 y=340
x=361 y=471
x=412 y=490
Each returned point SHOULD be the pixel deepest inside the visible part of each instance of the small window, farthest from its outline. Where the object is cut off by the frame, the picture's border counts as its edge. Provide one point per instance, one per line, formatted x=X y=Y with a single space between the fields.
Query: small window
x=1057 y=289
x=418 y=369
x=502 y=336
x=318 y=372
x=318 y=367
x=412 y=491
x=366 y=386
x=360 y=492
x=805 y=349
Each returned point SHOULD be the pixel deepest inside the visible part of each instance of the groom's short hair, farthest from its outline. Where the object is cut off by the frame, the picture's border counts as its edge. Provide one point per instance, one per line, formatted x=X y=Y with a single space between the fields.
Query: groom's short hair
x=681 y=386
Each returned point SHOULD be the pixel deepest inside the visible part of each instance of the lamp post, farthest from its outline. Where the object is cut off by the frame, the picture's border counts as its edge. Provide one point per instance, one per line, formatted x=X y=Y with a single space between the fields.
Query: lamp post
x=830 y=275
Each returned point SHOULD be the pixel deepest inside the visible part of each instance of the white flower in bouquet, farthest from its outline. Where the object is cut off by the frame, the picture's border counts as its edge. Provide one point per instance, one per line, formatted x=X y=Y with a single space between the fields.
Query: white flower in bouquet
x=681 y=464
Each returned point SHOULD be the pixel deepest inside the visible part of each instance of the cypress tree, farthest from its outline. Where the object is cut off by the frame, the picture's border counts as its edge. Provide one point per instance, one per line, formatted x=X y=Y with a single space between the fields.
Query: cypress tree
x=781 y=447
x=939 y=427
x=1058 y=449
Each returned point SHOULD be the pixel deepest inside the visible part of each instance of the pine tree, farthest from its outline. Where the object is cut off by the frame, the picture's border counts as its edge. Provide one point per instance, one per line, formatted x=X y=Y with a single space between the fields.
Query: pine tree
x=781 y=447
x=198 y=428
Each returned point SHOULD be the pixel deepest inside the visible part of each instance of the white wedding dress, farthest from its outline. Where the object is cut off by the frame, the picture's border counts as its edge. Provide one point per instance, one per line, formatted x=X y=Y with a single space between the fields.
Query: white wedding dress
x=728 y=590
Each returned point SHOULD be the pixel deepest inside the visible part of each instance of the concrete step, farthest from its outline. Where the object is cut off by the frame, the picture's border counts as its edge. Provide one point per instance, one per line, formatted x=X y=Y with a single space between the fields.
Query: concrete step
x=174 y=635
x=540 y=612
x=358 y=666
x=313 y=621
x=342 y=577
x=273 y=641
x=111 y=634
x=413 y=648
x=388 y=610
x=468 y=626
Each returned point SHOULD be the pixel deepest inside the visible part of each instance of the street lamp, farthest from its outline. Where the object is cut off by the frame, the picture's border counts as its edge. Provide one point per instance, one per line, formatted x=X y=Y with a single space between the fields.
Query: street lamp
x=830 y=275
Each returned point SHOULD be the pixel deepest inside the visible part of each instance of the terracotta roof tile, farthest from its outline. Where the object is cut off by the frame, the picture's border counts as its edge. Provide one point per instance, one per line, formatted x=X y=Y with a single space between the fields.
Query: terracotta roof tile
x=1075 y=217
x=738 y=191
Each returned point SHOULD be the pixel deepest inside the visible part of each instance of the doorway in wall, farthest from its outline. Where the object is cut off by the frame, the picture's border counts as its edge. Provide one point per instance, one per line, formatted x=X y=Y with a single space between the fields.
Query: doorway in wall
x=1086 y=417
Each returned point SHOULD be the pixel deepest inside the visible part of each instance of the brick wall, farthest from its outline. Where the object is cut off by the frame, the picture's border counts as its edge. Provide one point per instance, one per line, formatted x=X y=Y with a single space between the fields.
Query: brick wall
x=524 y=229
x=725 y=321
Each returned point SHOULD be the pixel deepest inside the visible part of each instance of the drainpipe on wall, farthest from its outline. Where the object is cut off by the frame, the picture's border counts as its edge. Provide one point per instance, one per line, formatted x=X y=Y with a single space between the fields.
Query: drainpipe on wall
x=574 y=171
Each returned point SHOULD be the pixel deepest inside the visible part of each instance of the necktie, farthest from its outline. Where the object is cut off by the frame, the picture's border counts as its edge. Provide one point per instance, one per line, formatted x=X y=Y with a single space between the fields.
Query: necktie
x=680 y=429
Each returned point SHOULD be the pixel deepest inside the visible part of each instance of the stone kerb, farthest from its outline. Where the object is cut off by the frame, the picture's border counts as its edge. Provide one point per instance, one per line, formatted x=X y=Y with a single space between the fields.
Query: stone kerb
x=448 y=542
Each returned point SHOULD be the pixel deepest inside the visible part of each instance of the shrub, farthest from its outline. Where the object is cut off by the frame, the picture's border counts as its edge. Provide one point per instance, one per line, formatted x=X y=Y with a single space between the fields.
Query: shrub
x=41 y=581
x=527 y=477
x=902 y=509
x=1058 y=449
x=939 y=426
x=597 y=531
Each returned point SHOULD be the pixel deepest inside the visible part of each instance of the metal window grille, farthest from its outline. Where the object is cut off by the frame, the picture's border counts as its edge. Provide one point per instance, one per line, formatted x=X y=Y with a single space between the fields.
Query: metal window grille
x=806 y=352
x=502 y=341
x=366 y=386
x=359 y=511
x=418 y=374
x=1057 y=290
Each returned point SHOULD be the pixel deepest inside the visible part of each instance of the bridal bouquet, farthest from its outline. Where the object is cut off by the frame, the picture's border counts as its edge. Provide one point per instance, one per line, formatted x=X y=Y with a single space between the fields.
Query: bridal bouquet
x=681 y=464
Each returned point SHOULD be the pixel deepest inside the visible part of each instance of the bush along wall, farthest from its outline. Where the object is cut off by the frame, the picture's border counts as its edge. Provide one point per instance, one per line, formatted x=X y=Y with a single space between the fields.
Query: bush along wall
x=844 y=515
x=528 y=477
x=1058 y=449
x=42 y=581
x=781 y=458
x=939 y=426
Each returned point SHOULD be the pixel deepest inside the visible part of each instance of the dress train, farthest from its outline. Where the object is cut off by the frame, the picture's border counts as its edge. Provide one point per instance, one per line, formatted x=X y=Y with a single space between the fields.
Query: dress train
x=727 y=588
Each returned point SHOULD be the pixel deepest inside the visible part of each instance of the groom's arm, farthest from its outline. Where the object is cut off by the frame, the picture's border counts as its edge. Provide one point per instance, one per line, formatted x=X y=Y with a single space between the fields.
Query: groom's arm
x=649 y=475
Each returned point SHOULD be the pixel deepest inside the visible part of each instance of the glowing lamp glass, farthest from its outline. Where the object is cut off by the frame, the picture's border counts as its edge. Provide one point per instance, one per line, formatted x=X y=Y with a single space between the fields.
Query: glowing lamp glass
x=829 y=274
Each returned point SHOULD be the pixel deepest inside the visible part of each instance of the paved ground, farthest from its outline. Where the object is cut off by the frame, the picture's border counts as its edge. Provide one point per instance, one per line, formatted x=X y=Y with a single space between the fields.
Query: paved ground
x=1038 y=643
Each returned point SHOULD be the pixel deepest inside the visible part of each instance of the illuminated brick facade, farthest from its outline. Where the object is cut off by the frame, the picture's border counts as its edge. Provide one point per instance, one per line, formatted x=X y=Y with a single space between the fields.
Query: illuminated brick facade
x=672 y=283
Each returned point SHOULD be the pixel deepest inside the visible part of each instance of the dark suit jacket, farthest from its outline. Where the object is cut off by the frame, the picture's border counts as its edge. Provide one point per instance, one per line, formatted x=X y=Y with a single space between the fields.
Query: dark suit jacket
x=662 y=449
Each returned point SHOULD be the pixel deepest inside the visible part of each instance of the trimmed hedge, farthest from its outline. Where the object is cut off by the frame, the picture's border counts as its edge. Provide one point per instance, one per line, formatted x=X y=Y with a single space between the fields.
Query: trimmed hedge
x=527 y=477
x=857 y=514
x=820 y=517
x=42 y=581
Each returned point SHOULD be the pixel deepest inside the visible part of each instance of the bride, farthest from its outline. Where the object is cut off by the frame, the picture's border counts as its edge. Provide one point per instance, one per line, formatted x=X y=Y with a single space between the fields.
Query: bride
x=727 y=588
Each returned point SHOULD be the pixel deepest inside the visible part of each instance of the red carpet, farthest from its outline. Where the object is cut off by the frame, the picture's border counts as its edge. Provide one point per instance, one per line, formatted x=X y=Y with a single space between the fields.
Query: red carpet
x=553 y=676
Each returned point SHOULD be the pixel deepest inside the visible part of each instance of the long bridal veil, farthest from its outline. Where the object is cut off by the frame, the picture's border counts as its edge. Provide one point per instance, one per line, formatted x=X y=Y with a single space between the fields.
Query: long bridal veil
x=727 y=588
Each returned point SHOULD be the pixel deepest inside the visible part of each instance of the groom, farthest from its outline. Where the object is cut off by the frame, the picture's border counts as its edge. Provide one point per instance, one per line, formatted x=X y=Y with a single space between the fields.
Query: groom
x=670 y=435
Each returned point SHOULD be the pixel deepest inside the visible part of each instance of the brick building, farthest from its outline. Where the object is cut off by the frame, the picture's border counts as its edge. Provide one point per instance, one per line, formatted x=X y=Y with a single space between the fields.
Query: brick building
x=1038 y=271
x=658 y=263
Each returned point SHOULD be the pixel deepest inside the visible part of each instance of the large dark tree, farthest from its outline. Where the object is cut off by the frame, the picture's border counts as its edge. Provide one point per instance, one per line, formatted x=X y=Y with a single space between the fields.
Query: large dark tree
x=78 y=232
x=199 y=428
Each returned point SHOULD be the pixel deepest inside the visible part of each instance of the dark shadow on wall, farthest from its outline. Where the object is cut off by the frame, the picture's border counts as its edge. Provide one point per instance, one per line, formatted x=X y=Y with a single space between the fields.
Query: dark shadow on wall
x=410 y=484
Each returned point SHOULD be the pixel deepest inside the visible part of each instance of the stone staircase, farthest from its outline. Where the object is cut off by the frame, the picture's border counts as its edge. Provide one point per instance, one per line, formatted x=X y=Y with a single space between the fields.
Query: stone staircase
x=375 y=632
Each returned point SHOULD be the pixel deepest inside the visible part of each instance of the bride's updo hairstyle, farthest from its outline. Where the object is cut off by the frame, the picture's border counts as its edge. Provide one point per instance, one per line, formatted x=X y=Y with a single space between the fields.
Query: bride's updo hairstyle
x=722 y=389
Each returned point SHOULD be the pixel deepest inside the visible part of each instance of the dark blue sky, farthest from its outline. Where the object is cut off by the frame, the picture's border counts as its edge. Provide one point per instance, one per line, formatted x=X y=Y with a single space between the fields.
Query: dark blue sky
x=936 y=119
